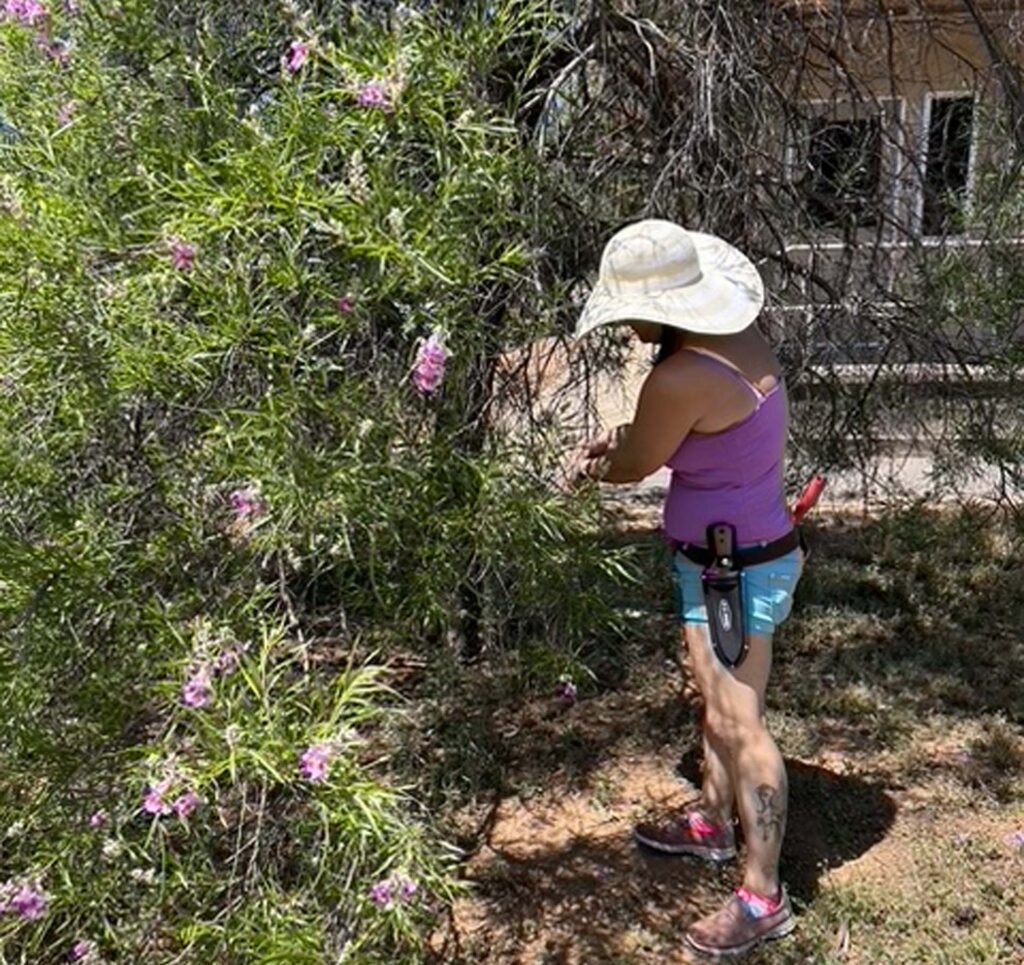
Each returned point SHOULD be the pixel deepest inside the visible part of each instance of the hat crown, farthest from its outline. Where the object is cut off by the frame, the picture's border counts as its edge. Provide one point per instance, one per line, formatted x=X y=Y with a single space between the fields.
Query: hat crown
x=650 y=256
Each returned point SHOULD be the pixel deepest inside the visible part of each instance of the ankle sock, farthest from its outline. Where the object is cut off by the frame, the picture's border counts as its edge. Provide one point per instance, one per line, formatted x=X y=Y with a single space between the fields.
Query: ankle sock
x=759 y=906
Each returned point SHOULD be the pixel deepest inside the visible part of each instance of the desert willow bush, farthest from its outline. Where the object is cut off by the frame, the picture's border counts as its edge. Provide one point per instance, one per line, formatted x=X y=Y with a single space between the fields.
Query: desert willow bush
x=257 y=266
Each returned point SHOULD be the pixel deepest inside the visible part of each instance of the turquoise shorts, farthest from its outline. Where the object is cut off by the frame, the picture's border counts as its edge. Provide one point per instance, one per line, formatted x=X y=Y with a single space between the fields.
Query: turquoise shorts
x=767 y=591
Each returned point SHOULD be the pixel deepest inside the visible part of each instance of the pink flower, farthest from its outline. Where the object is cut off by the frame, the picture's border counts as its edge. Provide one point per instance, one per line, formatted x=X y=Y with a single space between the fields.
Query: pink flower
x=374 y=94
x=247 y=503
x=1016 y=840
x=314 y=762
x=346 y=304
x=298 y=54
x=81 y=950
x=98 y=820
x=197 y=692
x=27 y=901
x=396 y=888
x=430 y=362
x=153 y=800
x=566 y=689
x=26 y=11
x=186 y=804
x=226 y=663
x=65 y=113
x=183 y=256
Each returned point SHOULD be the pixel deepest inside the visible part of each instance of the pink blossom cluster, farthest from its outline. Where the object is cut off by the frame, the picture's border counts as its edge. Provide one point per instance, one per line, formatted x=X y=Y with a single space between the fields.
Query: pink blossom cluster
x=566 y=689
x=155 y=800
x=315 y=761
x=248 y=503
x=81 y=951
x=28 y=12
x=32 y=13
x=295 y=59
x=226 y=662
x=25 y=899
x=197 y=691
x=183 y=255
x=391 y=890
x=428 y=372
x=374 y=95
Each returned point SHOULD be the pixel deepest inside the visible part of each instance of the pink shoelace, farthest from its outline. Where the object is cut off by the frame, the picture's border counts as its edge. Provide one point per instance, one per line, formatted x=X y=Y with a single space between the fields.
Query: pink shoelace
x=701 y=826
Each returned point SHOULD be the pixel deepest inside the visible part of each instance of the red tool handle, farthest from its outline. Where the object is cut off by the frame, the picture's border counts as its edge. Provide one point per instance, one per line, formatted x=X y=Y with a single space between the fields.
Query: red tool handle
x=806 y=500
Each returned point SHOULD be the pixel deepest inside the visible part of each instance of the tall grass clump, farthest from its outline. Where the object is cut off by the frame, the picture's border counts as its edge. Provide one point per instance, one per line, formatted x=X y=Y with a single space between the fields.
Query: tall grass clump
x=258 y=267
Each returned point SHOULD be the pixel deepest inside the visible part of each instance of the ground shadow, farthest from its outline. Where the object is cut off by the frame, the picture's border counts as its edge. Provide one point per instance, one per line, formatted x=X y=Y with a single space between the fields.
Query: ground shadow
x=592 y=900
x=833 y=819
x=553 y=884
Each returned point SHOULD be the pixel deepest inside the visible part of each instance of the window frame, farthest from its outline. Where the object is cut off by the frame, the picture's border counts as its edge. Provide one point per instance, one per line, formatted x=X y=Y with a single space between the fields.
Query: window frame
x=891 y=112
x=930 y=96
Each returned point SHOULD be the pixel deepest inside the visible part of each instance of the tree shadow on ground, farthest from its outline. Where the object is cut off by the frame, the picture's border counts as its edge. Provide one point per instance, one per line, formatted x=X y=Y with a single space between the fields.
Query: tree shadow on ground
x=833 y=818
x=559 y=878
x=591 y=900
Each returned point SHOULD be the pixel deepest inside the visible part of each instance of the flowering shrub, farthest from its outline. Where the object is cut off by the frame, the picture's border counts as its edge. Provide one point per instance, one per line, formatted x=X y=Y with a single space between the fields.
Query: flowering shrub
x=256 y=271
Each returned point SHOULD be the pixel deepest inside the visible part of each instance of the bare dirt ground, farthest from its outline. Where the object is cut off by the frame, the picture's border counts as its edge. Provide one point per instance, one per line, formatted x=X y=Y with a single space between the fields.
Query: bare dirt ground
x=906 y=782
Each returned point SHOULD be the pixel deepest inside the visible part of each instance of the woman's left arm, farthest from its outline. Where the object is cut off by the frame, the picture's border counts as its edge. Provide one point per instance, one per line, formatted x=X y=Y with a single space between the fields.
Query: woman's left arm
x=665 y=413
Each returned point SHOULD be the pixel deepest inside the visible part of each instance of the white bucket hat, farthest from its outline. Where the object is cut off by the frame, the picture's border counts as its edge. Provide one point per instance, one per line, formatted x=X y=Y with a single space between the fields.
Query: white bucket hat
x=657 y=271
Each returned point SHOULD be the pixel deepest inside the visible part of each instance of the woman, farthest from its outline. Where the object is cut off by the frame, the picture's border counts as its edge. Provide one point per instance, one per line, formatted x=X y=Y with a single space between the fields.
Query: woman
x=714 y=410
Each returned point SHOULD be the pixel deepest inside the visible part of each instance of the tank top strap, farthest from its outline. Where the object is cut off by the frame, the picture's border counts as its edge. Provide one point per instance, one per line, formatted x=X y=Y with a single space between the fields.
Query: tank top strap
x=730 y=367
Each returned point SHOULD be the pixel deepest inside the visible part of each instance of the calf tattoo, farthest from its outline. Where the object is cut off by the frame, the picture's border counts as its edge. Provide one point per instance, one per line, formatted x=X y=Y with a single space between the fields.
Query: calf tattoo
x=771 y=812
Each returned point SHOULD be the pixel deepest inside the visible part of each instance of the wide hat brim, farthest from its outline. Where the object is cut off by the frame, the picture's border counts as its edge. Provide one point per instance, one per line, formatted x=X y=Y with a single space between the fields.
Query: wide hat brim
x=726 y=299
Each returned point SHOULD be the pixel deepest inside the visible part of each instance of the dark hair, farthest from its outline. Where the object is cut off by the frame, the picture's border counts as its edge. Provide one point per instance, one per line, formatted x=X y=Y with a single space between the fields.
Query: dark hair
x=667 y=342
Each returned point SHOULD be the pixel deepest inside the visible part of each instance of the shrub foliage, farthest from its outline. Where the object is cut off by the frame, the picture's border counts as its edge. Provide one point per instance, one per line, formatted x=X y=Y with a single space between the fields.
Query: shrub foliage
x=234 y=482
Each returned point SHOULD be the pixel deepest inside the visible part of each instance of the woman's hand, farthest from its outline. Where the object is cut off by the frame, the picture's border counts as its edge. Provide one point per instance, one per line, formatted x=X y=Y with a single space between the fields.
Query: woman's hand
x=603 y=444
x=599 y=445
x=574 y=471
x=591 y=460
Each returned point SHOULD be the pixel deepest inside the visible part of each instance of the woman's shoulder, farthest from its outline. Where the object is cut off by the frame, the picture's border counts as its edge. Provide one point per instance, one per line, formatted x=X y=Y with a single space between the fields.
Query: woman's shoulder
x=679 y=373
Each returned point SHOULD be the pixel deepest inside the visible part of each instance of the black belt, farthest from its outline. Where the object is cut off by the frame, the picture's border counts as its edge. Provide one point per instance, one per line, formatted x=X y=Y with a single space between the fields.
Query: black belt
x=746 y=555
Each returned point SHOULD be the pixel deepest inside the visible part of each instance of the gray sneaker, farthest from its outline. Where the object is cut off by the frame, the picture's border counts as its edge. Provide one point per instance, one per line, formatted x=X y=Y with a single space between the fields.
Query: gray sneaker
x=679 y=836
x=734 y=930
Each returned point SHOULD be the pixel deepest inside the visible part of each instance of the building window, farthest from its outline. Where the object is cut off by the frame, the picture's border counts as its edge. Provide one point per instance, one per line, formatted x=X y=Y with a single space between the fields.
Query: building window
x=947 y=164
x=842 y=177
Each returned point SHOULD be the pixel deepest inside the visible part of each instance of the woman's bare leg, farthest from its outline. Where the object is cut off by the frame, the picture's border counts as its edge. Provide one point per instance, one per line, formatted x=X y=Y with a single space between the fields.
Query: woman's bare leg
x=716 y=790
x=743 y=757
x=716 y=793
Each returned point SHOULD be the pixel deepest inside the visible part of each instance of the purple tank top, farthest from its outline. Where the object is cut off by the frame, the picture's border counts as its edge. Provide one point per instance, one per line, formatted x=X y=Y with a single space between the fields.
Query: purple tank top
x=733 y=476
